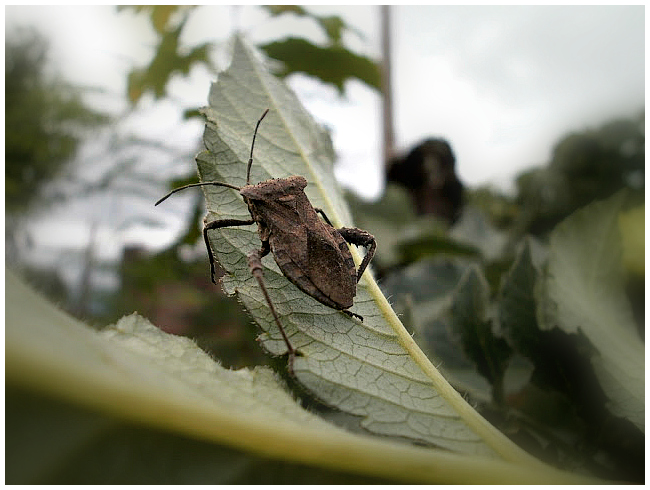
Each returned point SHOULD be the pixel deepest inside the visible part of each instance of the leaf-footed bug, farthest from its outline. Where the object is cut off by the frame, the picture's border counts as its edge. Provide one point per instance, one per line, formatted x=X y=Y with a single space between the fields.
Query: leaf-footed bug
x=310 y=252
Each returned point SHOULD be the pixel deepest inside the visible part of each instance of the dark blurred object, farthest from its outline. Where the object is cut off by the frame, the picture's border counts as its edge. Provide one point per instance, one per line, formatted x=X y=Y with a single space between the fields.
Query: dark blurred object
x=428 y=173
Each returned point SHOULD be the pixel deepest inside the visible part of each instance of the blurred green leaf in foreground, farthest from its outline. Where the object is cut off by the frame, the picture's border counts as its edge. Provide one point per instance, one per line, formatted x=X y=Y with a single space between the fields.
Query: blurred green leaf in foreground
x=132 y=404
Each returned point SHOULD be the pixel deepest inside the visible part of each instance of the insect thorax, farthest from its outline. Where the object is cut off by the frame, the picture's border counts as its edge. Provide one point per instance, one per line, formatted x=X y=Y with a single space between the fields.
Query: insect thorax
x=274 y=188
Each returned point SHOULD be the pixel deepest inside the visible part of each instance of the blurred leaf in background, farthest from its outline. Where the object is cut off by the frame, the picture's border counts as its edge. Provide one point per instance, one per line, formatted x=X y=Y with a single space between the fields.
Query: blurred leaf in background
x=170 y=58
x=552 y=391
x=178 y=297
x=568 y=399
x=632 y=228
x=332 y=64
x=46 y=122
x=45 y=119
x=585 y=166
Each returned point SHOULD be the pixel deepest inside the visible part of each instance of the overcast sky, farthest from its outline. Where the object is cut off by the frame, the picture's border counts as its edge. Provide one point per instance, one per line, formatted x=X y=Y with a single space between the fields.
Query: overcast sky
x=501 y=84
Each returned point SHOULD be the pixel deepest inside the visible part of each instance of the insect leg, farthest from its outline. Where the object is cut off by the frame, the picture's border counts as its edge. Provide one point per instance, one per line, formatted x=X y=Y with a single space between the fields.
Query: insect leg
x=213 y=225
x=255 y=265
x=352 y=315
x=322 y=213
x=358 y=237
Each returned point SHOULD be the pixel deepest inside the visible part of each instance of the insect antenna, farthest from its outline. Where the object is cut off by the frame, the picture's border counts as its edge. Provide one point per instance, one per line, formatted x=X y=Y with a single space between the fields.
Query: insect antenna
x=250 y=159
x=198 y=184
x=223 y=184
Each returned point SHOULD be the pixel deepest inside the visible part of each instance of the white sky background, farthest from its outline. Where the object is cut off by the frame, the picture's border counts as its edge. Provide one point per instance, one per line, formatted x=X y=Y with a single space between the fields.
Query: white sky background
x=504 y=83
x=501 y=84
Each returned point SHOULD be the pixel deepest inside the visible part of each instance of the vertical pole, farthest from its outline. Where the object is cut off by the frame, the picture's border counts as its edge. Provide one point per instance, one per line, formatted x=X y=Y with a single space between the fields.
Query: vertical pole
x=387 y=90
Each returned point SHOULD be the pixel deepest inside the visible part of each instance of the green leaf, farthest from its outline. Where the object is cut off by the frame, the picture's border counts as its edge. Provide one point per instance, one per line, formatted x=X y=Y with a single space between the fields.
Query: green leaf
x=585 y=293
x=333 y=25
x=160 y=15
x=517 y=305
x=276 y=10
x=372 y=369
x=83 y=406
x=560 y=369
x=470 y=318
x=331 y=64
x=474 y=230
x=632 y=226
x=169 y=60
x=54 y=442
x=423 y=294
x=426 y=237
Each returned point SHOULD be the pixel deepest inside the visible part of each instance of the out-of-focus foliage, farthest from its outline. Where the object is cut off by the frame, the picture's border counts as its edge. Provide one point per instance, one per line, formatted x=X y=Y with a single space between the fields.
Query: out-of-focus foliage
x=632 y=224
x=160 y=15
x=585 y=166
x=131 y=404
x=332 y=64
x=470 y=317
x=544 y=385
x=45 y=119
x=170 y=58
x=178 y=296
x=497 y=206
x=489 y=320
x=583 y=292
x=333 y=25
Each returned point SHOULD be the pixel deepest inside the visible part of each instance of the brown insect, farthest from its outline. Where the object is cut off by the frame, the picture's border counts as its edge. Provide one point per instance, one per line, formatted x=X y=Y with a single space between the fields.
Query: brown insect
x=310 y=252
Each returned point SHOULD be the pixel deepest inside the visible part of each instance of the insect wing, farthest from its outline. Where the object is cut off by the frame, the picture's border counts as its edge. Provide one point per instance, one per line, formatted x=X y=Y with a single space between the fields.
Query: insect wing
x=330 y=265
x=310 y=253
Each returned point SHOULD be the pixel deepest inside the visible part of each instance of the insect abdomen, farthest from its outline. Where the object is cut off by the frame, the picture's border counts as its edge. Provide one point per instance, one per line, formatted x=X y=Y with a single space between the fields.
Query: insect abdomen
x=323 y=269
